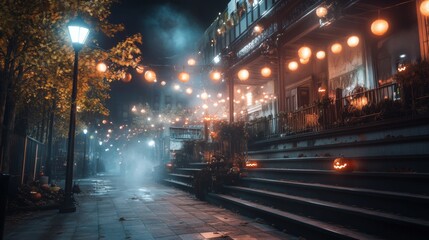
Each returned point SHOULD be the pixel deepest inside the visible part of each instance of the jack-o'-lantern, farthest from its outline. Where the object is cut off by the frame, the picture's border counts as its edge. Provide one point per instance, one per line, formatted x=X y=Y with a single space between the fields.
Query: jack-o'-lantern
x=343 y=164
x=251 y=164
x=36 y=195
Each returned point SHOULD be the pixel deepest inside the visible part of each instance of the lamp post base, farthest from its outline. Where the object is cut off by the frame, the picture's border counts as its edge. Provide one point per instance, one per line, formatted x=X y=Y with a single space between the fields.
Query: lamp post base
x=68 y=206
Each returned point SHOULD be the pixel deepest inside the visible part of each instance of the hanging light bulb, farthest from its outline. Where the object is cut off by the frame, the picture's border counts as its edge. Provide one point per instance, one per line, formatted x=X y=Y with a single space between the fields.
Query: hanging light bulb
x=204 y=95
x=101 y=67
x=320 y=55
x=189 y=91
x=126 y=77
x=150 y=76
x=293 y=65
x=243 y=74
x=184 y=77
x=321 y=12
x=336 y=48
x=215 y=75
x=353 y=41
x=191 y=62
x=424 y=8
x=139 y=69
x=266 y=72
x=379 y=27
x=304 y=52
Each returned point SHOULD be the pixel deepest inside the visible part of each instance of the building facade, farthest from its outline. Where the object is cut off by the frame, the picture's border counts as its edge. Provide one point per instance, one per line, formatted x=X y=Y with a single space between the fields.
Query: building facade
x=279 y=57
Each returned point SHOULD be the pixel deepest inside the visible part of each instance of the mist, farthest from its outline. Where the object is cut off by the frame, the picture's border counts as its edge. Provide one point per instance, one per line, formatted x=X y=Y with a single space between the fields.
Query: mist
x=170 y=31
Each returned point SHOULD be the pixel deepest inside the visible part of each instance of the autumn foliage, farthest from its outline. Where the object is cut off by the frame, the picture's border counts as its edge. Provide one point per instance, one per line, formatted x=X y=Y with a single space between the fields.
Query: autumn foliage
x=36 y=63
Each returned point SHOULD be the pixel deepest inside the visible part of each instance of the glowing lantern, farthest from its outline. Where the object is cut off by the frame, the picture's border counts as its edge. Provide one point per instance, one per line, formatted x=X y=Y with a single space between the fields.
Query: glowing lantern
x=243 y=74
x=424 y=8
x=321 y=12
x=189 y=91
x=101 y=67
x=304 y=52
x=215 y=75
x=379 y=27
x=304 y=61
x=204 y=95
x=184 y=77
x=191 y=62
x=336 y=48
x=343 y=164
x=127 y=77
x=293 y=66
x=353 y=41
x=257 y=29
x=266 y=72
x=205 y=106
x=140 y=69
x=150 y=76
x=320 y=55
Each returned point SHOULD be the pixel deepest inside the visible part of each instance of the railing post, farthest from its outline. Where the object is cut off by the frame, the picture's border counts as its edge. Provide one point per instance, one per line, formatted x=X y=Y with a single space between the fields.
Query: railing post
x=339 y=104
x=24 y=158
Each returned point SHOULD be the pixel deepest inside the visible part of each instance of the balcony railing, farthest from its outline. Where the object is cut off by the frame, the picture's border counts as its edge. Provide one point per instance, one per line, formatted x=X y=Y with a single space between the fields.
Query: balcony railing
x=360 y=106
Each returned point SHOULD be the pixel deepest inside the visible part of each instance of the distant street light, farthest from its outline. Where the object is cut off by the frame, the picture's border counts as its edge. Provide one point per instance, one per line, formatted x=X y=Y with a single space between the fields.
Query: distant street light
x=79 y=32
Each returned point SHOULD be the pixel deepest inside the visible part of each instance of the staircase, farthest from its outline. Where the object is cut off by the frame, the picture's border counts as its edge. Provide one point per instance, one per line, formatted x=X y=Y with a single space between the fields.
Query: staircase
x=324 y=204
x=385 y=197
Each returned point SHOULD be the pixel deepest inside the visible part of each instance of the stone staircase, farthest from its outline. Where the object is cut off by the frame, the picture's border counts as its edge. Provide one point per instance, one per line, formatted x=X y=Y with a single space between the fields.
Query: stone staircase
x=386 y=196
x=325 y=204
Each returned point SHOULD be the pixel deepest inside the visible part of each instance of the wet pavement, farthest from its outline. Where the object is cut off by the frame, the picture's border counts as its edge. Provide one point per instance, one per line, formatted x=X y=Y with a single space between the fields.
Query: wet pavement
x=110 y=207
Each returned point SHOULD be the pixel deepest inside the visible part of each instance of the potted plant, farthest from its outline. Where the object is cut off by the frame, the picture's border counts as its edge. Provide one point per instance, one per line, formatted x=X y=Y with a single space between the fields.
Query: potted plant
x=414 y=83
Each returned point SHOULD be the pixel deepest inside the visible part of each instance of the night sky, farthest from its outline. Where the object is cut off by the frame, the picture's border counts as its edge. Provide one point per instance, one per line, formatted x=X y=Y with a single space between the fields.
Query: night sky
x=170 y=30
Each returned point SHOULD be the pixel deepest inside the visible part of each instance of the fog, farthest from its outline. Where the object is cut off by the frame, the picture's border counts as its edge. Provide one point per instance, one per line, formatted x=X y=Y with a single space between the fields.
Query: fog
x=135 y=160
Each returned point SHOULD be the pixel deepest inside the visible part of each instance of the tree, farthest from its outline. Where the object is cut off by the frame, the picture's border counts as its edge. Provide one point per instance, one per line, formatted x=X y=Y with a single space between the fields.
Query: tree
x=36 y=61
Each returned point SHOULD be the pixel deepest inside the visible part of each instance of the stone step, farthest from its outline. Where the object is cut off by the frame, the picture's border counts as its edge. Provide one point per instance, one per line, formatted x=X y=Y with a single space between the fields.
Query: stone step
x=410 y=163
x=405 y=204
x=415 y=183
x=369 y=221
x=186 y=171
x=304 y=226
x=184 y=178
x=178 y=184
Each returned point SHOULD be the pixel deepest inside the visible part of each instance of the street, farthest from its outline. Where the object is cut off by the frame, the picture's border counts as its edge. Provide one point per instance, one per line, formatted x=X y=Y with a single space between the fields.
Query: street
x=111 y=207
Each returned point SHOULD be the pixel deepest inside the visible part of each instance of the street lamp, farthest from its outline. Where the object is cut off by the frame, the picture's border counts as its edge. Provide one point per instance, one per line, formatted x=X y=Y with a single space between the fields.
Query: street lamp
x=78 y=33
x=85 y=166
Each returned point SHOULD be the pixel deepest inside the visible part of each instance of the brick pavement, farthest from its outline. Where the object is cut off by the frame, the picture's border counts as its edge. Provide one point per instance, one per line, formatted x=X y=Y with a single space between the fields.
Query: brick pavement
x=110 y=207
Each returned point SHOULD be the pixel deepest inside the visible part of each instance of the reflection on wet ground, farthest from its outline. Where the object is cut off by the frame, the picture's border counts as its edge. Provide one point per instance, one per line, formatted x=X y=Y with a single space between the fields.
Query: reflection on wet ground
x=113 y=207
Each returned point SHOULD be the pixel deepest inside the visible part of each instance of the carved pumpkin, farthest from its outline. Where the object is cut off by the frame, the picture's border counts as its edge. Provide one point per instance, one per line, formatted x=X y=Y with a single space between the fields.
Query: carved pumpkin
x=251 y=164
x=343 y=164
x=36 y=195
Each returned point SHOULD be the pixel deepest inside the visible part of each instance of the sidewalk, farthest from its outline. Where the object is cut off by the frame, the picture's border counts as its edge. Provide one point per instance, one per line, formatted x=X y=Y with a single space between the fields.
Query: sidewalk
x=110 y=207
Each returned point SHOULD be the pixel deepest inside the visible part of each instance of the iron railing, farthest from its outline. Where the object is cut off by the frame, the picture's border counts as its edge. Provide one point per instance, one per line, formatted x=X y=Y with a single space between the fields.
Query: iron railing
x=359 y=105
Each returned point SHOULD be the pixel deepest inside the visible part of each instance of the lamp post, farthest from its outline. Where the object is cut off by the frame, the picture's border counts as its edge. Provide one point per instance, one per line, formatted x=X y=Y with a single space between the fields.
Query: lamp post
x=85 y=164
x=78 y=32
